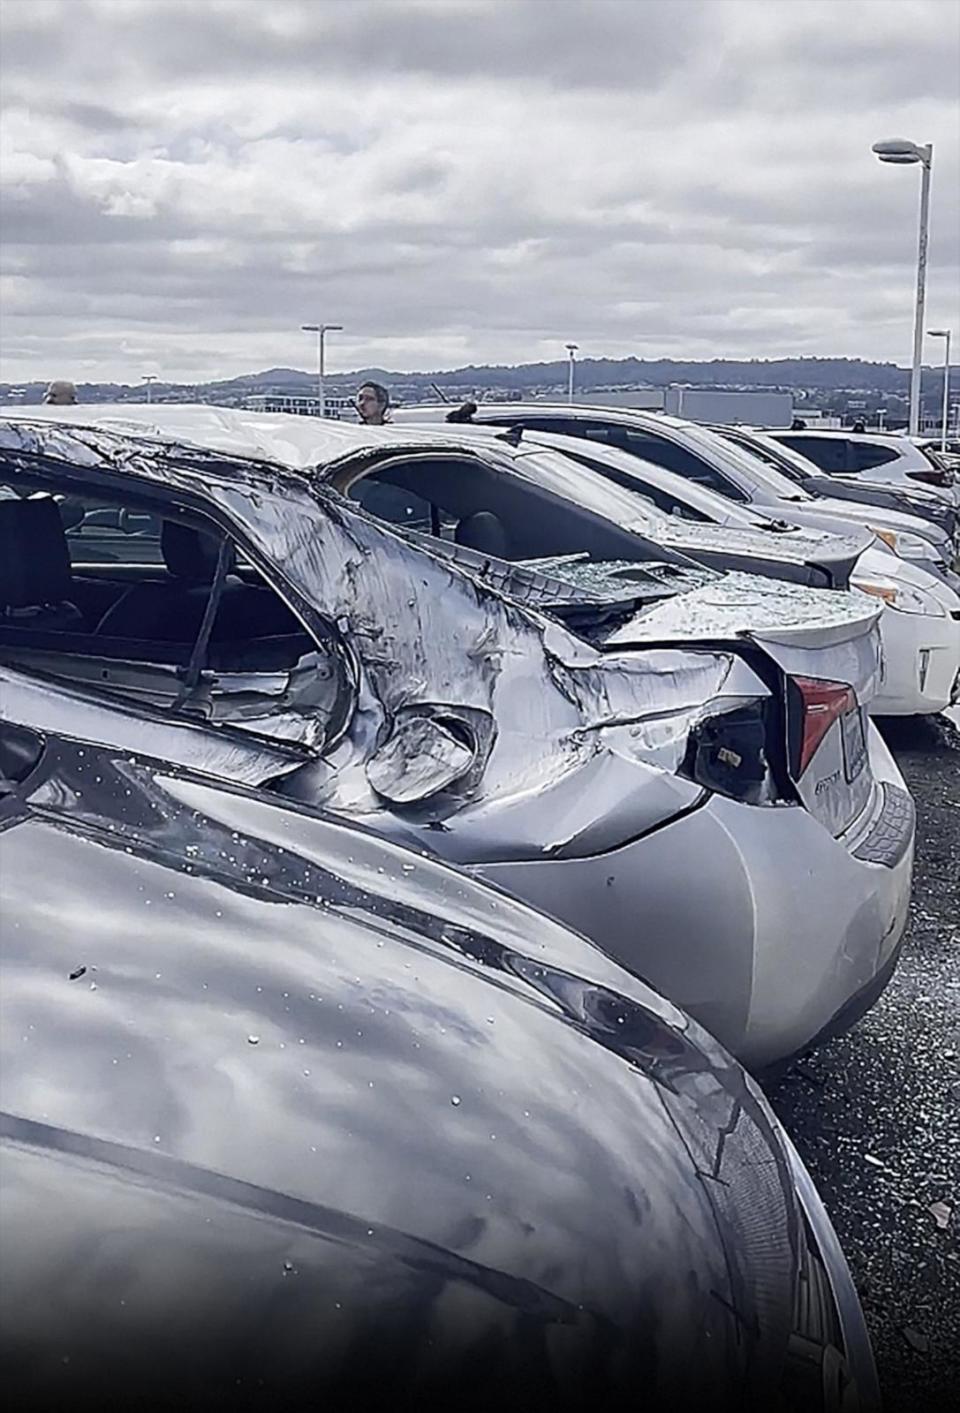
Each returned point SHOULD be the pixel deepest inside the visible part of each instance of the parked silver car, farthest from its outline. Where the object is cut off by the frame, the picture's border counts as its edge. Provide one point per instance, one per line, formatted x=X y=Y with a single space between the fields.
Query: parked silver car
x=622 y=738
x=920 y=627
x=291 y=1118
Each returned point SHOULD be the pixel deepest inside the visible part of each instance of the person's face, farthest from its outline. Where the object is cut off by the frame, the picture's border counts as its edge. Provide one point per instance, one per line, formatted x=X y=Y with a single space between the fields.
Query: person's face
x=368 y=406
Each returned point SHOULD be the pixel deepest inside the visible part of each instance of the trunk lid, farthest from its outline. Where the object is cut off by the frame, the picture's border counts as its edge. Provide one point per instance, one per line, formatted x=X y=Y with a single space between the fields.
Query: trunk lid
x=809 y=637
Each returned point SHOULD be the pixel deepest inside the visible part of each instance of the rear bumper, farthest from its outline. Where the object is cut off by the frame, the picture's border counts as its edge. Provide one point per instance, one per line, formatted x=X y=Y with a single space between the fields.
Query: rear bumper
x=921 y=662
x=856 y=1006
x=755 y=920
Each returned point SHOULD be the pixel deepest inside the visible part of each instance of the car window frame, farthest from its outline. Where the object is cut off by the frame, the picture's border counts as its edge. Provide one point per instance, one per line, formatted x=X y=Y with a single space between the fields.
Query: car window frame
x=52 y=477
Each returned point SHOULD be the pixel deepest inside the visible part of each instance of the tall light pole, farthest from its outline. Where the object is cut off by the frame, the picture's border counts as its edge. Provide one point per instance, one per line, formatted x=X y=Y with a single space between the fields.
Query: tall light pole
x=150 y=379
x=320 y=330
x=945 y=415
x=572 y=351
x=904 y=154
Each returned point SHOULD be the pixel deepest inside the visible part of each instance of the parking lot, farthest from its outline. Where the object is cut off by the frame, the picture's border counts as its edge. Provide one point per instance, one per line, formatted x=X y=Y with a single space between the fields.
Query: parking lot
x=876 y=1114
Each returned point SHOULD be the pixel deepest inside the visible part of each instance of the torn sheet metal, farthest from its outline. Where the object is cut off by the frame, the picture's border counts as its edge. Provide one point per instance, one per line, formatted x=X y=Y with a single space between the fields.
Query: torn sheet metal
x=425 y=634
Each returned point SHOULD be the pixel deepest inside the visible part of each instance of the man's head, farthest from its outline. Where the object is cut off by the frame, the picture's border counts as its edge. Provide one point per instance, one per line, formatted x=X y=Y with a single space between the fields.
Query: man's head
x=373 y=400
x=61 y=393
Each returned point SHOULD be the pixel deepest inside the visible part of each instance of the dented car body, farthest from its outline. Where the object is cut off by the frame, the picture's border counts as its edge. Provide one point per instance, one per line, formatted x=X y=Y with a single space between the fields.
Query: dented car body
x=674 y=761
x=304 y=1119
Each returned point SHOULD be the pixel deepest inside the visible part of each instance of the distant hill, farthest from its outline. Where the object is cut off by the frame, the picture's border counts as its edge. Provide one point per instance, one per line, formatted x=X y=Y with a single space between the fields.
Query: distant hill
x=786 y=374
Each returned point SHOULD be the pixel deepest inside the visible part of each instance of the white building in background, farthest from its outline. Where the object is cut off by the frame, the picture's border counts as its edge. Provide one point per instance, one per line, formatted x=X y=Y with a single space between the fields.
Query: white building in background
x=303 y=405
x=764 y=409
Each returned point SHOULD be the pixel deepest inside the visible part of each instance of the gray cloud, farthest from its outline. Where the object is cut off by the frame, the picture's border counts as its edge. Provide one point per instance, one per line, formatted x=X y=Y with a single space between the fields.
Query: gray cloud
x=466 y=180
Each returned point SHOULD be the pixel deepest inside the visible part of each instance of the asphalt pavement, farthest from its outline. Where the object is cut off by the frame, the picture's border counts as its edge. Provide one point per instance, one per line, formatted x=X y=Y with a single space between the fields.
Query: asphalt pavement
x=876 y=1114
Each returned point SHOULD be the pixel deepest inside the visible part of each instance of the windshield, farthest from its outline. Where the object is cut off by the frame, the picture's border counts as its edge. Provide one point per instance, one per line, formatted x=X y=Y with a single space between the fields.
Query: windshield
x=777 y=455
x=644 y=479
x=718 y=448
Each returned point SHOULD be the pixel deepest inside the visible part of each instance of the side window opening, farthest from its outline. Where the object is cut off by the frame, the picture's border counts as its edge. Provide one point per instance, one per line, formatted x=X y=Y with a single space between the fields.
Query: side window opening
x=672 y=457
x=161 y=610
x=866 y=455
x=829 y=453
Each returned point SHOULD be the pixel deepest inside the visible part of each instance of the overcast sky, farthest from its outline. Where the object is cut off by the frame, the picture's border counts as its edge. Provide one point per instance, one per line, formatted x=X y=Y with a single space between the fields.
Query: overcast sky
x=458 y=181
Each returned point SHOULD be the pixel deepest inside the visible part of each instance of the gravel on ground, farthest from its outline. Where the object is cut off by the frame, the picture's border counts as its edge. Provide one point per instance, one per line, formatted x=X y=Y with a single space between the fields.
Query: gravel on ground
x=876 y=1113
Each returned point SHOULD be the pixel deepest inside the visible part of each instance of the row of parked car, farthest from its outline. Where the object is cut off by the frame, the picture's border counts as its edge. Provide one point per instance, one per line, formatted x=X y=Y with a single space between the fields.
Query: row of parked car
x=411 y=839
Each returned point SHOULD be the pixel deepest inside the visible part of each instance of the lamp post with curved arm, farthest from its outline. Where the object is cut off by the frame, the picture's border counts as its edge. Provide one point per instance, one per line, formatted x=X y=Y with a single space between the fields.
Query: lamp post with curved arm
x=901 y=153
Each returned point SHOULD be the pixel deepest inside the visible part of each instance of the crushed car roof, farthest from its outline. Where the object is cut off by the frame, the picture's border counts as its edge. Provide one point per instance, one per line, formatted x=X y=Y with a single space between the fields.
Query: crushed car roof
x=298 y=443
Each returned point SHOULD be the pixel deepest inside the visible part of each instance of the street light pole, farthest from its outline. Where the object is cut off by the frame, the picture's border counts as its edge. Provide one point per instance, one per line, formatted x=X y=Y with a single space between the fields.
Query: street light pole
x=903 y=153
x=945 y=414
x=915 y=372
x=572 y=351
x=320 y=330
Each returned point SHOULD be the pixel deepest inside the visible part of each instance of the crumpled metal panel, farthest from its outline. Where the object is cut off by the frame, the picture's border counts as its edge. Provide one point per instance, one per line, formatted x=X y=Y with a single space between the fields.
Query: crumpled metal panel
x=53 y=707
x=559 y=704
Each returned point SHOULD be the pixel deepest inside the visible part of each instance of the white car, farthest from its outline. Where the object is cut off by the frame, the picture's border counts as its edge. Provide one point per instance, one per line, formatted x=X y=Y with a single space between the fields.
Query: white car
x=885 y=458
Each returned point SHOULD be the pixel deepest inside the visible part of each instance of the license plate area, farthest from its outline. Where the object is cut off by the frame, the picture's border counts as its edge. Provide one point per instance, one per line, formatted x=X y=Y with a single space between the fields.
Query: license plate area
x=854 y=743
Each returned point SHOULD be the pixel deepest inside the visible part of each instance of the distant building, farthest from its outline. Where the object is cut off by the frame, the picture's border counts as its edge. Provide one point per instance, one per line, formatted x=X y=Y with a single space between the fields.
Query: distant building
x=761 y=409
x=765 y=409
x=303 y=404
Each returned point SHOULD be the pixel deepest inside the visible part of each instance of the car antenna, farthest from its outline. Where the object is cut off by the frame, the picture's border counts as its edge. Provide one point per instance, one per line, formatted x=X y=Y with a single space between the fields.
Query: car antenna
x=513 y=435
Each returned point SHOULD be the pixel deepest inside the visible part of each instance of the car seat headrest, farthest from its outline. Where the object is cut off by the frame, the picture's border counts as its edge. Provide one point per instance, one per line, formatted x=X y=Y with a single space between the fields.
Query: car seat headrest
x=34 y=558
x=483 y=531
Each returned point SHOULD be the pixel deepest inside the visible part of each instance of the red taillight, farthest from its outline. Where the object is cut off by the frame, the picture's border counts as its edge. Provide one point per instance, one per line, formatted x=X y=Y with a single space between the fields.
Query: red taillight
x=823 y=704
x=933 y=477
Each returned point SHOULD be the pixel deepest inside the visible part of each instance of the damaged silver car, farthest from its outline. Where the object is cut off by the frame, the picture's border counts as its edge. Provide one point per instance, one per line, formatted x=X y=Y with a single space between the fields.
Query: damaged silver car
x=619 y=739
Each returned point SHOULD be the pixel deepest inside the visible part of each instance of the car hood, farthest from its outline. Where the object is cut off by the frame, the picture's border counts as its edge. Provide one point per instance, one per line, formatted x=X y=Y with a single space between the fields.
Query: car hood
x=274 y=1092
x=834 y=552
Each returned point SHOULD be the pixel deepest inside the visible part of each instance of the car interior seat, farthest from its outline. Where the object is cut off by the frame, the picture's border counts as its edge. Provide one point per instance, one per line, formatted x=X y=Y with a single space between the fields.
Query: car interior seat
x=35 y=574
x=483 y=531
x=172 y=611
x=169 y=611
